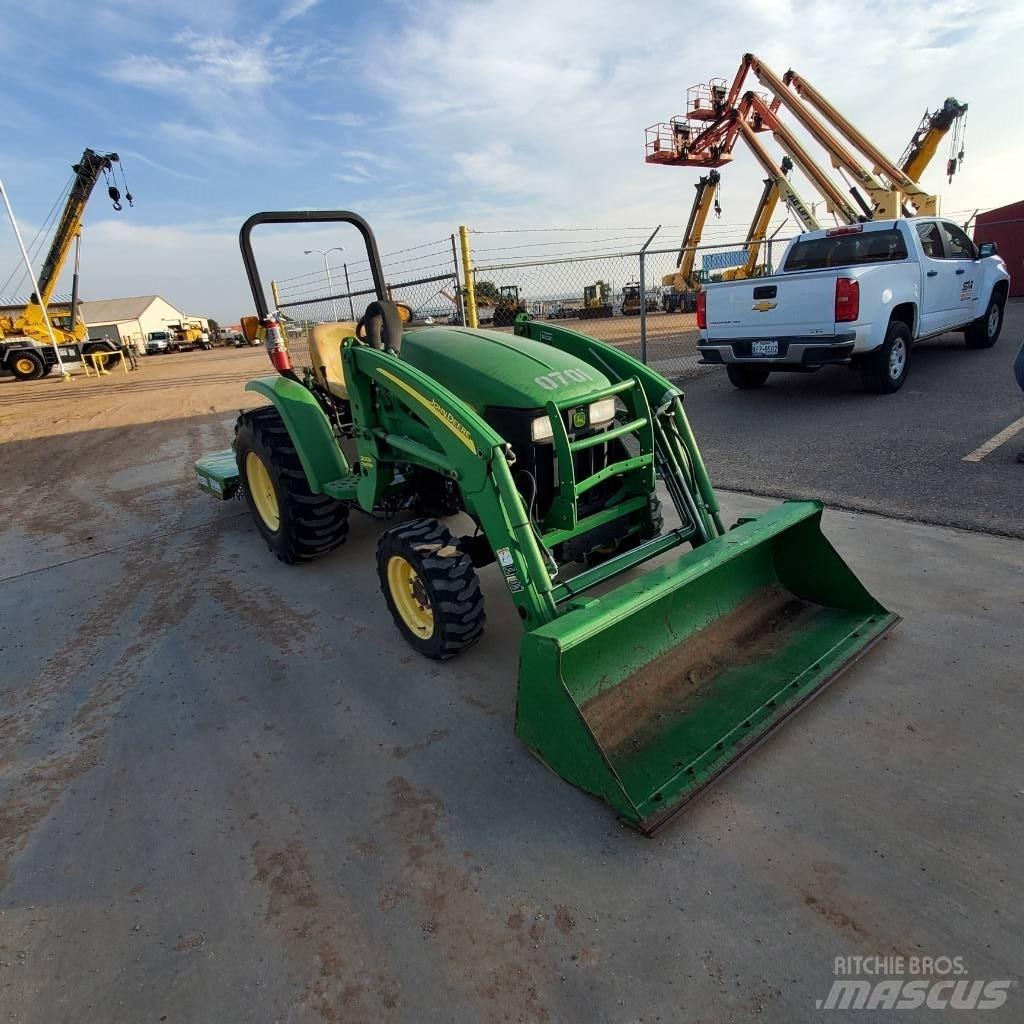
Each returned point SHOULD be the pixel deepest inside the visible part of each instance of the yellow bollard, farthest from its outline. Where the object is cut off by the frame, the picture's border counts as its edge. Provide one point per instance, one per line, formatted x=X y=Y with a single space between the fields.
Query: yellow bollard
x=467 y=274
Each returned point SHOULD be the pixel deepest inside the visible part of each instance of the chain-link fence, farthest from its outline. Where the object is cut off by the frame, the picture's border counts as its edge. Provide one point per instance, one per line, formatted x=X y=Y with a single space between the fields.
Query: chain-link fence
x=641 y=301
x=629 y=290
x=424 y=277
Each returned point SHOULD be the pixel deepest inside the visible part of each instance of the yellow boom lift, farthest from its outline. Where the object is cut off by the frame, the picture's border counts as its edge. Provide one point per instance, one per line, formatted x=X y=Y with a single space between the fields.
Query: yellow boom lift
x=717 y=115
x=25 y=348
x=682 y=286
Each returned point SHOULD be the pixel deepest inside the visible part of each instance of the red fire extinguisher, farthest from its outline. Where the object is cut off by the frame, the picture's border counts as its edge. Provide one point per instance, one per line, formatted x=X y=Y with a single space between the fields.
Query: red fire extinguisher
x=274 y=340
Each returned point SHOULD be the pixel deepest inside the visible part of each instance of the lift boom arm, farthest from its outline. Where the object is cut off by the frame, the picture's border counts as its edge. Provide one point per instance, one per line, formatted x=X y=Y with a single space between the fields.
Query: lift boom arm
x=707 y=188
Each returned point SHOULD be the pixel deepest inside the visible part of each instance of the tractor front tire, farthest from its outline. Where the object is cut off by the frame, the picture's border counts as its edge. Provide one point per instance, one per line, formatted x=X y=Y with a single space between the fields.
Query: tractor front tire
x=297 y=524
x=431 y=588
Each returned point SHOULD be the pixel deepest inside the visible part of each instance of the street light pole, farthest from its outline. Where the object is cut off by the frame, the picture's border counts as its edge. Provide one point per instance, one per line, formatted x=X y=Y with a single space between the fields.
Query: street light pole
x=348 y=288
x=327 y=271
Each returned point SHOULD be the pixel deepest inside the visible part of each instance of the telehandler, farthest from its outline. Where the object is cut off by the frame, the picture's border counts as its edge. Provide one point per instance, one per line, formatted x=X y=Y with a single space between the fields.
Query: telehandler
x=641 y=693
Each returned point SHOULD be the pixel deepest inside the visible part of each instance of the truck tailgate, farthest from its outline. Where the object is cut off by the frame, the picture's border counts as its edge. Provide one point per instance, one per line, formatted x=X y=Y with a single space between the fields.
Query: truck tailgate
x=788 y=305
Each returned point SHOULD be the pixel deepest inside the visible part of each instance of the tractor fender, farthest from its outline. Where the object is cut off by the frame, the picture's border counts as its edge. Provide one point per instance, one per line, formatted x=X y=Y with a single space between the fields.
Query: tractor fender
x=308 y=426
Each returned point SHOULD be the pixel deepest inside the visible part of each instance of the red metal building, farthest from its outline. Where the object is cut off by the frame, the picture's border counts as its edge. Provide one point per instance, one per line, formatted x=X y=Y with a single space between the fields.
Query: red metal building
x=1005 y=227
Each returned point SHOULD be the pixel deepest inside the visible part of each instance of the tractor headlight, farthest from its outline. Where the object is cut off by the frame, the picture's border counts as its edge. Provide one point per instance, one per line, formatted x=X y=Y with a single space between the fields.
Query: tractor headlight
x=540 y=430
x=602 y=413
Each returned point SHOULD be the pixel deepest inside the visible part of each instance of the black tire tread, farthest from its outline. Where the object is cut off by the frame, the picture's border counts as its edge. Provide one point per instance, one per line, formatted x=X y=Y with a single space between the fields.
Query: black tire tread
x=450 y=580
x=311 y=524
x=874 y=367
x=976 y=334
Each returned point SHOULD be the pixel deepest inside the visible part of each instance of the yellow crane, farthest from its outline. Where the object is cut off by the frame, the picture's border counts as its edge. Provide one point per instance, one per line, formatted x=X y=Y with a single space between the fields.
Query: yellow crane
x=930 y=132
x=25 y=348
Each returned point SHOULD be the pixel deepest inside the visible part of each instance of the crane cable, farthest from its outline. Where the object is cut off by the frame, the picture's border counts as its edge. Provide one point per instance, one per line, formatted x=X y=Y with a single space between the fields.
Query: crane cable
x=956 y=146
x=40 y=237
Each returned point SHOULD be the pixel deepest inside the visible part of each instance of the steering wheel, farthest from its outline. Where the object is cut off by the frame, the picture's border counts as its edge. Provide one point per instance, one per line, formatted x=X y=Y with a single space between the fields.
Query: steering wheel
x=381 y=326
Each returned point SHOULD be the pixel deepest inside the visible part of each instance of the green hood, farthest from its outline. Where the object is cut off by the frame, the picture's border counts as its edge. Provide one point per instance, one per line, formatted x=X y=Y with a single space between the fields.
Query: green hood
x=492 y=369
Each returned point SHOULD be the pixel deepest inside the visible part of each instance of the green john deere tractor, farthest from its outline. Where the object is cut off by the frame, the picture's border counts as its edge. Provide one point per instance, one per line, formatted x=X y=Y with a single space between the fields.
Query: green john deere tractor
x=551 y=443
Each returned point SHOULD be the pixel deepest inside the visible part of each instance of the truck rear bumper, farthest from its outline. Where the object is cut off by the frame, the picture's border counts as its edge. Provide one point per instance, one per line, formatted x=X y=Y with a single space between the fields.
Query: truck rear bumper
x=795 y=353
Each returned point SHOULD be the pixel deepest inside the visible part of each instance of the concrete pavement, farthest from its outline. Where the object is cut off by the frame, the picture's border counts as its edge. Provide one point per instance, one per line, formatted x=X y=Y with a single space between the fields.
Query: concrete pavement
x=230 y=792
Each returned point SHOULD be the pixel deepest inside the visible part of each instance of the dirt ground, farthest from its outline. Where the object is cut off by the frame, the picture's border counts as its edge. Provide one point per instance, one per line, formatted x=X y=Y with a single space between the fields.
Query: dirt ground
x=229 y=792
x=165 y=387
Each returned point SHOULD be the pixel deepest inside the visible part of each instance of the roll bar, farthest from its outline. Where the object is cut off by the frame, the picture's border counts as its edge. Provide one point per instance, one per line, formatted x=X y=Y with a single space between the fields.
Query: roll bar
x=305 y=217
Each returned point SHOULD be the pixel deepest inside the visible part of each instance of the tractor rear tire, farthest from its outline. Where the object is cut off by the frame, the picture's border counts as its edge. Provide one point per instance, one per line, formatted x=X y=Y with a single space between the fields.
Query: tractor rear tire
x=28 y=365
x=431 y=588
x=297 y=524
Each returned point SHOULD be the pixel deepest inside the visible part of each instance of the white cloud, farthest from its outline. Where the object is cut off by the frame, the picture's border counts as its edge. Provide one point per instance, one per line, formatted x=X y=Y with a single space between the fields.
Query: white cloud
x=547 y=114
x=295 y=9
x=203 y=62
x=346 y=119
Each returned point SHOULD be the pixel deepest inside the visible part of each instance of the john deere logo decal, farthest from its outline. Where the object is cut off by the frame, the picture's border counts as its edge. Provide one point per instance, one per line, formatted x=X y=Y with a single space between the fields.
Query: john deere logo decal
x=763 y=305
x=579 y=418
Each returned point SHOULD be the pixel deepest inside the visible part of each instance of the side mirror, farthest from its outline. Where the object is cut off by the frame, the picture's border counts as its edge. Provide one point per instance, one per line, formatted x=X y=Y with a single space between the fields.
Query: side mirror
x=987 y=249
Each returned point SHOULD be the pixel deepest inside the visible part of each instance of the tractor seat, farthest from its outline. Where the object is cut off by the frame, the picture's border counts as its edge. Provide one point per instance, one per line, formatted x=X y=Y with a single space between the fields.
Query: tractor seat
x=325 y=352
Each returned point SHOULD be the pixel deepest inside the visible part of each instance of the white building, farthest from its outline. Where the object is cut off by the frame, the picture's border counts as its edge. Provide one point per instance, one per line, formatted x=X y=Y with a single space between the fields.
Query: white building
x=132 y=319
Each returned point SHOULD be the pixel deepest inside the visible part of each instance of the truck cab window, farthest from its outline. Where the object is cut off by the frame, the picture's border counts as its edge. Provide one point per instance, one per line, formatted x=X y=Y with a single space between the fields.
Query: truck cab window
x=958 y=245
x=931 y=241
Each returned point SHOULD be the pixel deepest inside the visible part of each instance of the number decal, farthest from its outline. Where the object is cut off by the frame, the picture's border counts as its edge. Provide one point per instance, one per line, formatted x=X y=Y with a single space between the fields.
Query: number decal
x=559 y=378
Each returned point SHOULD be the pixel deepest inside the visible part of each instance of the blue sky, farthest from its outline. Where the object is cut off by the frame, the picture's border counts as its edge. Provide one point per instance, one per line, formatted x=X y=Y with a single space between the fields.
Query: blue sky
x=427 y=115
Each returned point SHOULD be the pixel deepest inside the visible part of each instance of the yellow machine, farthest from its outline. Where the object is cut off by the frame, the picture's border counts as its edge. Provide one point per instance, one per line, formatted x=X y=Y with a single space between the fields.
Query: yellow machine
x=930 y=132
x=717 y=115
x=922 y=148
x=597 y=301
x=681 y=286
x=25 y=348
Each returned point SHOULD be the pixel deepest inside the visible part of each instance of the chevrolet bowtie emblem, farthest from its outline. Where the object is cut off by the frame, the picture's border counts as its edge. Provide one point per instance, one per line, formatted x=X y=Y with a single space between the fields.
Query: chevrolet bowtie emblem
x=763 y=306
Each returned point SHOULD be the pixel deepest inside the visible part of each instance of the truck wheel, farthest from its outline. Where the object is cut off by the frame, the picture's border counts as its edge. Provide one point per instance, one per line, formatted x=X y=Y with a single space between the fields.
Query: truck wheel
x=297 y=524
x=746 y=377
x=984 y=332
x=884 y=370
x=28 y=366
x=431 y=588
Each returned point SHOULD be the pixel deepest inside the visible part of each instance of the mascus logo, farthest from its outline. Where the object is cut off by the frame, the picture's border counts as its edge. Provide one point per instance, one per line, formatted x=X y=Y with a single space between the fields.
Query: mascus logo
x=763 y=305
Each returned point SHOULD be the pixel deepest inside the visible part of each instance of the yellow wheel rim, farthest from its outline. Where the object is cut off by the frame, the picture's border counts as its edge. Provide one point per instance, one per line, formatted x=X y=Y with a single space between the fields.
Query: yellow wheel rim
x=261 y=487
x=25 y=365
x=410 y=597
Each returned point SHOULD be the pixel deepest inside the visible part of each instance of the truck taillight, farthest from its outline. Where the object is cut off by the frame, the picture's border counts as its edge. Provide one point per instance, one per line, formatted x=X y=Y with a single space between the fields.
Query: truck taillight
x=702 y=309
x=847 y=300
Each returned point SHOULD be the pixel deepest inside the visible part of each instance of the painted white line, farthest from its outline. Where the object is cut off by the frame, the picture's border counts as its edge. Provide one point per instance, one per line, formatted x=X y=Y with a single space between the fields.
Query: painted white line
x=994 y=442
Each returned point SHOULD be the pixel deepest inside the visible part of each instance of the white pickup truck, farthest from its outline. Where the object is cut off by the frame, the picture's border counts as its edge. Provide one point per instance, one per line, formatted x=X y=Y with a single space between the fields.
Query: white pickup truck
x=860 y=296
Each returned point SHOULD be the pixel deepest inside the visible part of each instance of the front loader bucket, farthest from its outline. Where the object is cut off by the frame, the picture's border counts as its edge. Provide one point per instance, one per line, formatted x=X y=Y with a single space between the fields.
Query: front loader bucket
x=647 y=694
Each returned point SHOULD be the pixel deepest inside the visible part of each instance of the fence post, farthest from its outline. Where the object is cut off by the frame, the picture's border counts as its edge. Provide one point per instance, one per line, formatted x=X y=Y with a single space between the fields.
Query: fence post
x=643 y=297
x=467 y=273
x=460 y=308
x=276 y=294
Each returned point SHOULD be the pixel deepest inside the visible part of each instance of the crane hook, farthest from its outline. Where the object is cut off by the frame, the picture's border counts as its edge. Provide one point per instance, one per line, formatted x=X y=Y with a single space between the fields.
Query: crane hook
x=115 y=197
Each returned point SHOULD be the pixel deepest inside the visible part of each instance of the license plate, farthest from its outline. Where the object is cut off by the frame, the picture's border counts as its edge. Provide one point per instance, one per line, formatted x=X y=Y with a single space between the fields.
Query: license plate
x=764 y=348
